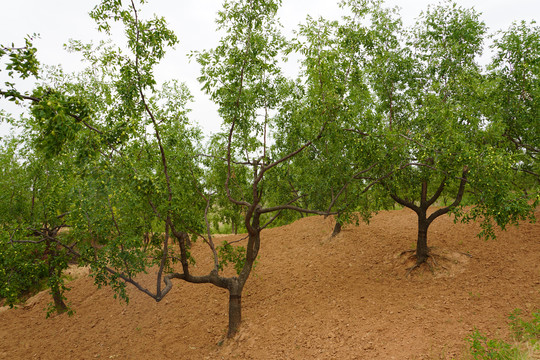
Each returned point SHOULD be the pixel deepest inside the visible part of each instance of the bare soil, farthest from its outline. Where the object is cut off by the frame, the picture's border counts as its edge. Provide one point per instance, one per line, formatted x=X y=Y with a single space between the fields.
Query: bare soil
x=310 y=297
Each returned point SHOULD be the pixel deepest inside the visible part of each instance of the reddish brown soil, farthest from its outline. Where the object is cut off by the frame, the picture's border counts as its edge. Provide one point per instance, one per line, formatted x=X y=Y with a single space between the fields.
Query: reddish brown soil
x=309 y=298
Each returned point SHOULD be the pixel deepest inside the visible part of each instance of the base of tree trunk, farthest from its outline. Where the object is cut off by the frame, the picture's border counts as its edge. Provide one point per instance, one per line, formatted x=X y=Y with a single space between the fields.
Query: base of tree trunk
x=58 y=300
x=428 y=259
x=61 y=309
x=59 y=305
x=433 y=261
x=337 y=230
x=235 y=315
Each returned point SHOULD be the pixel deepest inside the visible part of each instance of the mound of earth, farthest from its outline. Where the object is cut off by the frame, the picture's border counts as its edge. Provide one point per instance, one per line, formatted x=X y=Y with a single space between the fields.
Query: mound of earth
x=310 y=297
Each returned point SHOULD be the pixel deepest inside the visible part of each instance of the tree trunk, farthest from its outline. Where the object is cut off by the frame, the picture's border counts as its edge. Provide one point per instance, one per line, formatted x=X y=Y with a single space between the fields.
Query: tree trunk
x=59 y=304
x=236 y=284
x=186 y=239
x=55 y=275
x=337 y=229
x=422 y=250
x=235 y=310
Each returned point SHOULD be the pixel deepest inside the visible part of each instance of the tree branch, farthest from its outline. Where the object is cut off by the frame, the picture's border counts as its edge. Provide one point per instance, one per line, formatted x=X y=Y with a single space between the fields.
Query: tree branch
x=405 y=203
x=459 y=197
x=437 y=193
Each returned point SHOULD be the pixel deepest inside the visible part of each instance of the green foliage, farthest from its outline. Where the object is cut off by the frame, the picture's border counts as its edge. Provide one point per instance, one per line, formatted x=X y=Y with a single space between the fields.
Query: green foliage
x=57 y=119
x=22 y=60
x=135 y=150
x=525 y=332
x=484 y=348
x=37 y=204
x=377 y=110
x=437 y=127
x=432 y=132
x=515 y=95
x=229 y=254
x=22 y=270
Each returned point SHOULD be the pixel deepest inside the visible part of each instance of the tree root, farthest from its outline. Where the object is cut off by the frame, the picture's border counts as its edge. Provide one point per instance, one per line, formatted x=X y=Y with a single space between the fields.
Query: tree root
x=430 y=261
x=407 y=251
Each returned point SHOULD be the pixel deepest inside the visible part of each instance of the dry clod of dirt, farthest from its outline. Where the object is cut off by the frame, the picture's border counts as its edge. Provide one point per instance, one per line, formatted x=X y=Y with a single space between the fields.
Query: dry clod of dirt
x=310 y=297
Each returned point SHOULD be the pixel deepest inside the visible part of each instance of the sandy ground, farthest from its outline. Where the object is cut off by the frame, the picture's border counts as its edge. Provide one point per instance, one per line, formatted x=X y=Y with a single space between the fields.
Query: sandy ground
x=309 y=298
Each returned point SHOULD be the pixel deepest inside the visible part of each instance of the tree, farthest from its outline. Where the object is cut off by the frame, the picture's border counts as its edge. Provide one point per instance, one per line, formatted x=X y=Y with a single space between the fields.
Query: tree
x=339 y=171
x=430 y=91
x=515 y=71
x=155 y=176
x=18 y=272
x=133 y=185
x=35 y=209
x=243 y=77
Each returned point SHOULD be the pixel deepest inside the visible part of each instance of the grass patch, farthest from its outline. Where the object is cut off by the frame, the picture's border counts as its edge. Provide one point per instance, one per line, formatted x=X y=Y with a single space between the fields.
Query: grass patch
x=525 y=344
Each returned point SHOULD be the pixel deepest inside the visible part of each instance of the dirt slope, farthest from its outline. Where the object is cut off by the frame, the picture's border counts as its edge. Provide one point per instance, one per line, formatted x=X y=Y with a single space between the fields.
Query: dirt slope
x=310 y=298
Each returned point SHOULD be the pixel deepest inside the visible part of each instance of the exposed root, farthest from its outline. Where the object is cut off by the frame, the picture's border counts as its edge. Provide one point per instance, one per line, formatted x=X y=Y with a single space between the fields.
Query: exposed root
x=409 y=270
x=434 y=260
x=407 y=251
x=430 y=260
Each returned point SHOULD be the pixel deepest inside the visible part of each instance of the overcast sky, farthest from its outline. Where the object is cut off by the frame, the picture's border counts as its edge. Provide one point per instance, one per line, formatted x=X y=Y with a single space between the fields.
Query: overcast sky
x=57 y=21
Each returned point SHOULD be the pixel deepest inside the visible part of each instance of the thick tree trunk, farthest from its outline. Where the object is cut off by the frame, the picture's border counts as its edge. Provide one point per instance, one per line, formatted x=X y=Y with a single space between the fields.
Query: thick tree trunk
x=422 y=250
x=236 y=284
x=235 y=308
x=235 y=314
x=337 y=229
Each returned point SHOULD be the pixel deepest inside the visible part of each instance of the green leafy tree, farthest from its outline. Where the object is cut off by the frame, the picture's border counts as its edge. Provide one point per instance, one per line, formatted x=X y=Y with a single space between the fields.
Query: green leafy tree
x=19 y=272
x=440 y=141
x=132 y=149
x=36 y=209
x=515 y=71
x=141 y=176
x=243 y=76
x=142 y=166
x=338 y=172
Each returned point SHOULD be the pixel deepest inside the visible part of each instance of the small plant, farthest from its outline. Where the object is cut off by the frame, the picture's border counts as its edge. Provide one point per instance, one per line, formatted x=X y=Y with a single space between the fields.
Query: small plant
x=484 y=348
x=524 y=332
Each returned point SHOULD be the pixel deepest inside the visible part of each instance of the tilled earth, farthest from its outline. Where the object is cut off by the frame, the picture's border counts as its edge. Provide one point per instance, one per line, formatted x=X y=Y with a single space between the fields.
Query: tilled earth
x=310 y=297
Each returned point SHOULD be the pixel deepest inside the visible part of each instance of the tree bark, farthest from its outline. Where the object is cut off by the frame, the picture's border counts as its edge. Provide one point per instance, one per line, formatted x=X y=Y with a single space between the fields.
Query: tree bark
x=186 y=239
x=55 y=273
x=422 y=250
x=235 y=312
x=337 y=229
x=236 y=284
x=59 y=303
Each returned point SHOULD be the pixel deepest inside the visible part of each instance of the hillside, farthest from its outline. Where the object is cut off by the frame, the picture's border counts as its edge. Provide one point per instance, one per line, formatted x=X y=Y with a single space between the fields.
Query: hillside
x=309 y=298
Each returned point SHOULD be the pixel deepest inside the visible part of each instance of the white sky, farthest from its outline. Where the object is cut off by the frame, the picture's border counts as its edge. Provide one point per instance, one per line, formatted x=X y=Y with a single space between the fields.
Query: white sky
x=57 y=21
